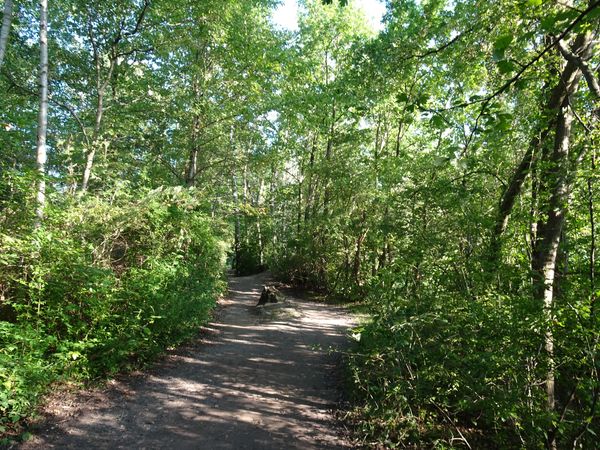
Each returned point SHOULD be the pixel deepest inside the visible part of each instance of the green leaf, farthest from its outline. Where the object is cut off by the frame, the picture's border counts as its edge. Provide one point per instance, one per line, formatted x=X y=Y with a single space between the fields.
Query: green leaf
x=438 y=122
x=504 y=122
x=402 y=98
x=593 y=15
x=26 y=436
x=423 y=99
x=534 y=2
x=548 y=22
x=556 y=21
x=503 y=42
x=498 y=55
x=521 y=83
x=505 y=66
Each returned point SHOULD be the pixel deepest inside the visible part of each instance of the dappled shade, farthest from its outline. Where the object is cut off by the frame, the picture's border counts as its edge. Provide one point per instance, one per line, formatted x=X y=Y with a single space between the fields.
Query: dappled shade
x=253 y=383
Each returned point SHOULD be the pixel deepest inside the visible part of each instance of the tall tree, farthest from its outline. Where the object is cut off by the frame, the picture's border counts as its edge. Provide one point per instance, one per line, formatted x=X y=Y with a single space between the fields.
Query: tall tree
x=42 y=151
x=110 y=45
x=5 y=29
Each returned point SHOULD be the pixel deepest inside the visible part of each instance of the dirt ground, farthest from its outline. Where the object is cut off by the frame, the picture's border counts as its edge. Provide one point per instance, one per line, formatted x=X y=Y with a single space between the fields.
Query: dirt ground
x=258 y=378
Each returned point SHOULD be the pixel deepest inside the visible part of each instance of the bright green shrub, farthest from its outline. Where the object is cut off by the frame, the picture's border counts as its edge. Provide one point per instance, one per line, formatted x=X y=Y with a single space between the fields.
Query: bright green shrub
x=432 y=367
x=440 y=368
x=105 y=284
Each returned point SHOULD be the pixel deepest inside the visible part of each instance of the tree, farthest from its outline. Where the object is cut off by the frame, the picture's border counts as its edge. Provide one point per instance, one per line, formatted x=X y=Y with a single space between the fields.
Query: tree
x=555 y=182
x=41 y=157
x=5 y=29
x=107 y=47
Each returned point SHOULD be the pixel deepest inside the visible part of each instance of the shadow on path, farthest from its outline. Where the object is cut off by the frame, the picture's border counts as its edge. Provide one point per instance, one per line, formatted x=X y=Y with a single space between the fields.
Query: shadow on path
x=256 y=383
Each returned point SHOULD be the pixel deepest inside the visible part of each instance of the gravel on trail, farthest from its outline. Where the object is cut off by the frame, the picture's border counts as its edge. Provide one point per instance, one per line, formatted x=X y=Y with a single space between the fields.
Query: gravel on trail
x=257 y=378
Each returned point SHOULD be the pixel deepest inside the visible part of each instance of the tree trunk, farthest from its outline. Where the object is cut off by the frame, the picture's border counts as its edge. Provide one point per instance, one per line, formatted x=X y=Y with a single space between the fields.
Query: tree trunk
x=559 y=94
x=102 y=84
x=383 y=256
x=259 y=234
x=328 y=157
x=5 y=30
x=89 y=160
x=358 y=252
x=299 y=214
x=378 y=146
x=87 y=172
x=43 y=115
x=398 y=138
x=533 y=211
x=510 y=196
x=546 y=255
x=592 y=266
x=237 y=230
x=556 y=182
x=311 y=186
x=192 y=168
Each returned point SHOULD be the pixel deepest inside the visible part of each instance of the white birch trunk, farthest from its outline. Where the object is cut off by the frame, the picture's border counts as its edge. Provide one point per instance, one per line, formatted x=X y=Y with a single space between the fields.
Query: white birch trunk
x=4 y=32
x=261 y=251
x=43 y=114
x=237 y=231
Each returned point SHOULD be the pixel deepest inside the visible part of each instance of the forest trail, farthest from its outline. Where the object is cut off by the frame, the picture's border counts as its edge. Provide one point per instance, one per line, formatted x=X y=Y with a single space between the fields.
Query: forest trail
x=255 y=380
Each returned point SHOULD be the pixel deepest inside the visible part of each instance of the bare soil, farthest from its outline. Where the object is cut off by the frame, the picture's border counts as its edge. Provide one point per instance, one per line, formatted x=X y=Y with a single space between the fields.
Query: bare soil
x=257 y=378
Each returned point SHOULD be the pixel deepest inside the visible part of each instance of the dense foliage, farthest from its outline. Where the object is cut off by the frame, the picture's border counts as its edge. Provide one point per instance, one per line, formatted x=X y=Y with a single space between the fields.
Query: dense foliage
x=107 y=283
x=443 y=170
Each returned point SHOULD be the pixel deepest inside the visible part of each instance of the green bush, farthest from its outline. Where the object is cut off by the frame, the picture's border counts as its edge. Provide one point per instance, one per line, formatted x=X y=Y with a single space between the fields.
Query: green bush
x=440 y=368
x=104 y=285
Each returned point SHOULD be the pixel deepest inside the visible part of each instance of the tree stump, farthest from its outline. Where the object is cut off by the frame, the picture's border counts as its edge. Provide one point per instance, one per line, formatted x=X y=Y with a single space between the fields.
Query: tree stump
x=270 y=294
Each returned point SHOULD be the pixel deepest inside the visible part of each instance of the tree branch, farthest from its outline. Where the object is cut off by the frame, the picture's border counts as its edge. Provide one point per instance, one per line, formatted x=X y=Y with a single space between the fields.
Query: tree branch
x=591 y=80
x=485 y=101
x=51 y=99
x=443 y=47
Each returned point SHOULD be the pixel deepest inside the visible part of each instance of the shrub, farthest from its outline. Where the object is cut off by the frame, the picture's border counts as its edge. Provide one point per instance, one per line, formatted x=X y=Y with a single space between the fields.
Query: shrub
x=441 y=368
x=104 y=285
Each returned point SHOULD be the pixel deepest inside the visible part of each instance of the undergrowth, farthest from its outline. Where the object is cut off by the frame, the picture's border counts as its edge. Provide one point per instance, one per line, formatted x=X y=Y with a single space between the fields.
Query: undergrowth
x=104 y=285
x=437 y=369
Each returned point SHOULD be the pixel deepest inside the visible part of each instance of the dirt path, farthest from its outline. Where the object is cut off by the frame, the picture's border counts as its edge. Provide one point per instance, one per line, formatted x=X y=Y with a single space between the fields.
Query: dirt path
x=258 y=381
